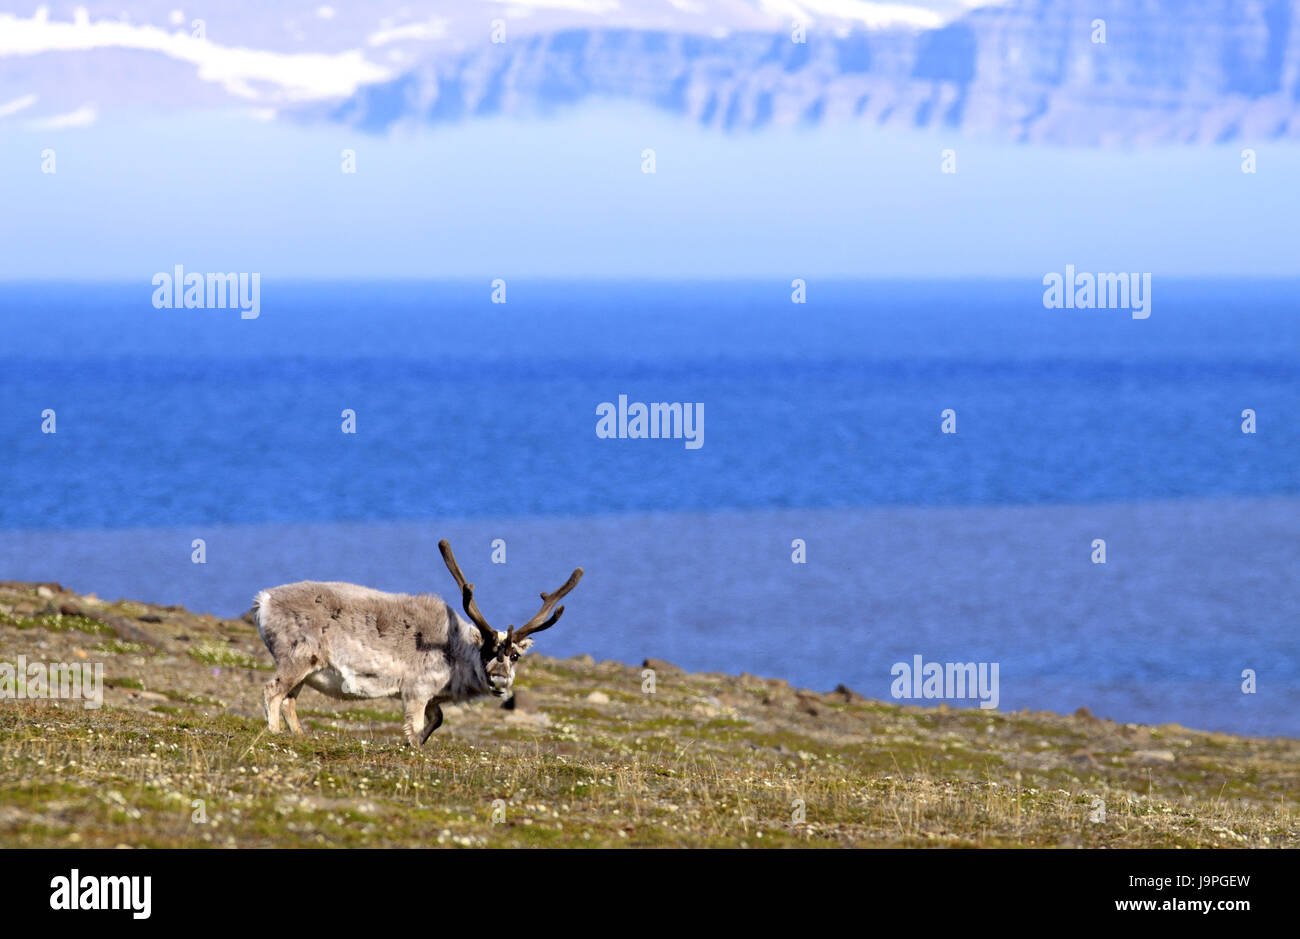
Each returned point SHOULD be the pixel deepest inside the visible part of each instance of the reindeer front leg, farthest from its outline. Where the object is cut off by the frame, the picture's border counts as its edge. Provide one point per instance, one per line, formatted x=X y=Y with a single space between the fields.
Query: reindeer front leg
x=423 y=717
x=432 y=721
x=414 y=723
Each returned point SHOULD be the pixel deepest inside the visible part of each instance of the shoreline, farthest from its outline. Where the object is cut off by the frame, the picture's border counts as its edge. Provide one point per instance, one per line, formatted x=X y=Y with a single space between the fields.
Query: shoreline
x=1007 y=584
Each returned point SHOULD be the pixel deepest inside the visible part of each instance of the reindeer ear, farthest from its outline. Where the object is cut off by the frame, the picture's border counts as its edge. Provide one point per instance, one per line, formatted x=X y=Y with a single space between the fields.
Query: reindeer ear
x=523 y=645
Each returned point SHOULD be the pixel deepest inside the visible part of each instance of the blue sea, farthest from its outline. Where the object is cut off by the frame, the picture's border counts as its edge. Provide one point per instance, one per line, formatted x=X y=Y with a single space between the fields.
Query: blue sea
x=477 y=421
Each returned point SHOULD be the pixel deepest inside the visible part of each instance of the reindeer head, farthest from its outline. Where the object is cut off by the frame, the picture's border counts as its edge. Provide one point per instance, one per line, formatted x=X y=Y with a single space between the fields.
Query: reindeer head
x=500 y=651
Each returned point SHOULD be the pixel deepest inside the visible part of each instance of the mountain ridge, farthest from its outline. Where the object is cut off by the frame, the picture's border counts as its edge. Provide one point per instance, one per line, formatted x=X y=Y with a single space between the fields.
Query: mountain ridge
x=1067 y=72
x=996 y=73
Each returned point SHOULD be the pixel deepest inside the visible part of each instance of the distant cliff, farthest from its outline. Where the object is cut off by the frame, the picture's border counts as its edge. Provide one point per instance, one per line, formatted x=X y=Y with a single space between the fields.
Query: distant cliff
x=1174 y=72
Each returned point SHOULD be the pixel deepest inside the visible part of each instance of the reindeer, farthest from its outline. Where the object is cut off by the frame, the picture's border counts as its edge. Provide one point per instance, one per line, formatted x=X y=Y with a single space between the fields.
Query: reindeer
x=355 y=643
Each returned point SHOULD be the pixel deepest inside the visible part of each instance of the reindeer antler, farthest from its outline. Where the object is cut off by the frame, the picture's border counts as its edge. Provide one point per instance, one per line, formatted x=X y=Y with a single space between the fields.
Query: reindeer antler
x=467 y=596
x=539 y=620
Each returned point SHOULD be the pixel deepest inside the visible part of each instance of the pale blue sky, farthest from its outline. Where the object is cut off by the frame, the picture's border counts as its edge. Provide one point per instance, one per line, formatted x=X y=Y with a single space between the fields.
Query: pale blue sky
x=566 y=198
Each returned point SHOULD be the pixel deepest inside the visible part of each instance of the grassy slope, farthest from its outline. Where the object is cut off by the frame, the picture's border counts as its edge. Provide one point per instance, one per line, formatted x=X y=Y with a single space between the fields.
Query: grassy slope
x=707 y=759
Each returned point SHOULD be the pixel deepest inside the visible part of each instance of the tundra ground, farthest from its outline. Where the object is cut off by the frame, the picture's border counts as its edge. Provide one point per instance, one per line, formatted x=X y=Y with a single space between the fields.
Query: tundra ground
x=179 y=756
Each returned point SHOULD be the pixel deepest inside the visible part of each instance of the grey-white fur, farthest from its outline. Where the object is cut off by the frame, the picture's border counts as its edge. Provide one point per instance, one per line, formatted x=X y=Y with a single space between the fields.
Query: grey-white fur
x=353 y=642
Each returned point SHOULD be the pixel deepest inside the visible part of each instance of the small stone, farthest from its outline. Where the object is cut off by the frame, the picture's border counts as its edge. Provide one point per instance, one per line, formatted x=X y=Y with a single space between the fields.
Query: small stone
x=598 y=697
x=528 y=718
x=847 y=694
x=659 y=665
x=1154 y=756
x=808 y=704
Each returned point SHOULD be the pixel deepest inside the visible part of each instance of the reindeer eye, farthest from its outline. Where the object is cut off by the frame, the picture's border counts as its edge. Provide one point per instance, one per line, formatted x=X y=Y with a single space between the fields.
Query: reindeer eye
x=514 y=656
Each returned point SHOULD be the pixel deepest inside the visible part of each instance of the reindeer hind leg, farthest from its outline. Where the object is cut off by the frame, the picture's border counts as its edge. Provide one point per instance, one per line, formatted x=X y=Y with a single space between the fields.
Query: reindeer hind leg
x=271 y=698
x=280 y=692
x=290 y=708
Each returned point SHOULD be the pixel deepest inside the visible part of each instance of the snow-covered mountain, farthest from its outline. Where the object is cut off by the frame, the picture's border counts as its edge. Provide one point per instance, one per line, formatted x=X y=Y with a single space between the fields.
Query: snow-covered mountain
x=1083 y=72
